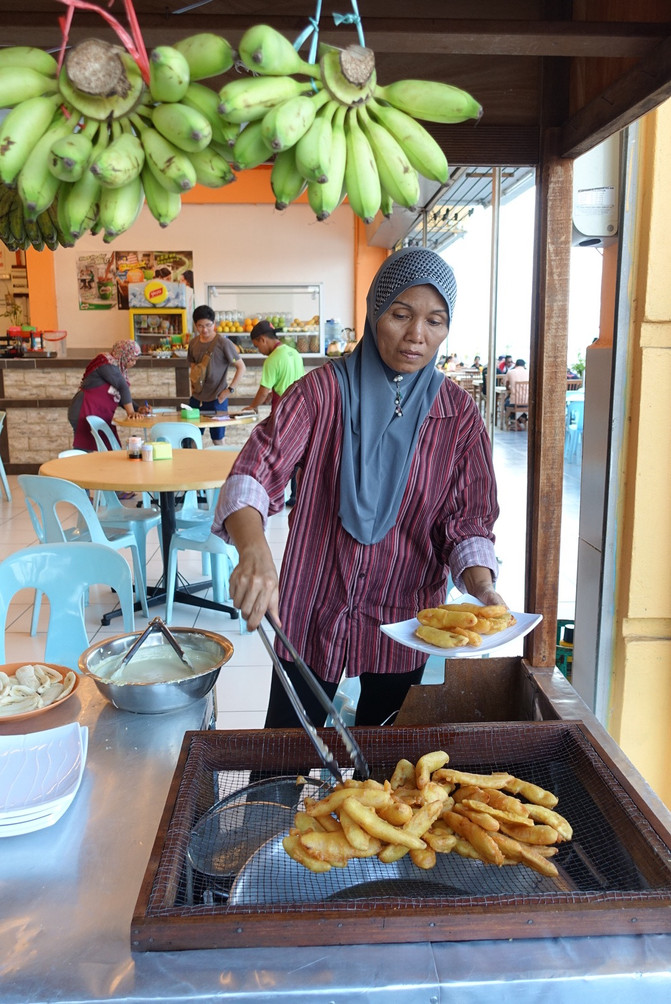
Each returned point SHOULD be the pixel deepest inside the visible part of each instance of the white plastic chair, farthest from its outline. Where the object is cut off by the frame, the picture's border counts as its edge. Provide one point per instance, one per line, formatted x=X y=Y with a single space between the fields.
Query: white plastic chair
x=189 y=514
x=64 y=571
x=3 y=473
x=575 y=414
x=177 y=434
x=103 y=434
x=45 y=496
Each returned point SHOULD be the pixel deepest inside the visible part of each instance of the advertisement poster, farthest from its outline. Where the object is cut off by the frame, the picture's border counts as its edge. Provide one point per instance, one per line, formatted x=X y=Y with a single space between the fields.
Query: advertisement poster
x=96 y=277
x=135 y=270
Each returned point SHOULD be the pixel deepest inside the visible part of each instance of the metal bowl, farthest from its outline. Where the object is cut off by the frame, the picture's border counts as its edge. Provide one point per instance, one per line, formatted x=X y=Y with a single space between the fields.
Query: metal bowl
x=156 y=698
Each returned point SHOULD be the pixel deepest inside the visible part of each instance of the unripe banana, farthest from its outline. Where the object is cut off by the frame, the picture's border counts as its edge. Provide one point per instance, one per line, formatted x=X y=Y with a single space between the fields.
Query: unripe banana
x=19 y=83
x=119 y=208
x=249 y=99
x=397 y=175
x=48 y=230
x=430 y=100
x=325 y=197
x=250 y=148
x=361 y=176
x=168 y=74
x=20 y=131
x=17 y=225
x=286 y=180
x=207 y=54
x=36 y=185
x=284 y=124
x=34 y=235
x=30 y=57
x=78 y=204
x=163 y=205
x=313 y=150
x=264 y=50
x=212 y=170
x=421 y=149
x=69 y=156
x=386 y=204
x=206 y=101
x=183 y=125
x=170 y=166
x=120 y=162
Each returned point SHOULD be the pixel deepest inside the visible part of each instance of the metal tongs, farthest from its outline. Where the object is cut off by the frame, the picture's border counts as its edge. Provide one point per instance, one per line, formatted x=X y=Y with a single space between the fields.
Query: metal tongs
x=325 y=755
x=155 y=624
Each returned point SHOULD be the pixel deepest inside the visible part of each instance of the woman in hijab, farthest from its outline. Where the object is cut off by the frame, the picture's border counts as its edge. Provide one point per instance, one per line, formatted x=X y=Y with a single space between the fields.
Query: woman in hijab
x=397 y=488
x=104 y=386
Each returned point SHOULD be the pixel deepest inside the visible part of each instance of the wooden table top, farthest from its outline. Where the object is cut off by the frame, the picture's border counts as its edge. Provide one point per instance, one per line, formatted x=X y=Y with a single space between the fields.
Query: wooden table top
x=112 y=470
x=204 y=422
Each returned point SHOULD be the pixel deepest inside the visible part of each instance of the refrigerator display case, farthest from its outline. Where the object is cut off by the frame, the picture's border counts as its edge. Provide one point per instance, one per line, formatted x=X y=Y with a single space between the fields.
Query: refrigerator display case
x=294 y=310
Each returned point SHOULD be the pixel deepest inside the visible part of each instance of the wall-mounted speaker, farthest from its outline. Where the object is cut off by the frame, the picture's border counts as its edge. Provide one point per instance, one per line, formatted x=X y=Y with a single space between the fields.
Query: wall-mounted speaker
x=596 y=195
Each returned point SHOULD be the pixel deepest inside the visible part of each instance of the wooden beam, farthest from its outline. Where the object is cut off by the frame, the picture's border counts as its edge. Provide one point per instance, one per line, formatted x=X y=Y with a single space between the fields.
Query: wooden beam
x=548 y=397
x=641 y=89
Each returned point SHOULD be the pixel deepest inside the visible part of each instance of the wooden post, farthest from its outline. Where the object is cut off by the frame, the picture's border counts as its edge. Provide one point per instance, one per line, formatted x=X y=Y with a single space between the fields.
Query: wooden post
x=548 y=397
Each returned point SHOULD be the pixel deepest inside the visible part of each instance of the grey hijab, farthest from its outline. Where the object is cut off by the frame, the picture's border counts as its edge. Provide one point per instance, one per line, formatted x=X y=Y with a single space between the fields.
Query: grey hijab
x=378 y=445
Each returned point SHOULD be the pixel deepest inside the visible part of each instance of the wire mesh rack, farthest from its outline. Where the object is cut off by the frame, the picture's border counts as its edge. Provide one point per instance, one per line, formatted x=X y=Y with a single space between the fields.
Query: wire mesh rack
x=219 y=875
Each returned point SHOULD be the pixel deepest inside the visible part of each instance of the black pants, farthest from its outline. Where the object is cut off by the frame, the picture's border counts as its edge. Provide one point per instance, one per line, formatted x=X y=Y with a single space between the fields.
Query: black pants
x=382 y=695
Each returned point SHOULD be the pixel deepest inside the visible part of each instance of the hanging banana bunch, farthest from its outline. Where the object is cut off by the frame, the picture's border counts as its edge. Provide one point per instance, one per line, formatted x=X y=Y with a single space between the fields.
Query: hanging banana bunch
x=82 y=148
x=334 y=109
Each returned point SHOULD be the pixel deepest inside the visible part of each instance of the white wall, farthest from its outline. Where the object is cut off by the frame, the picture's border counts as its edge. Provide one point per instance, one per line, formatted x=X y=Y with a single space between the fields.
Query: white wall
x=230 y=243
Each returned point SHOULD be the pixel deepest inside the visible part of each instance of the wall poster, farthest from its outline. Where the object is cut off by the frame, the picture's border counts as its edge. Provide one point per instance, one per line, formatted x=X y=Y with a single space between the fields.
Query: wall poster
x=121 y=279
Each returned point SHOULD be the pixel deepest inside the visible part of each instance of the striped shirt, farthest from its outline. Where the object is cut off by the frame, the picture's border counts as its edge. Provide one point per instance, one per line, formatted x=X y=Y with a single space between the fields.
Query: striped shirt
x=334 y=591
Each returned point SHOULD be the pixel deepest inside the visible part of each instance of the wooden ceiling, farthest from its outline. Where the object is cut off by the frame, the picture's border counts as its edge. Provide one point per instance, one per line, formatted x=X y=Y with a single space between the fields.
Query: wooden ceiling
x=585 y=67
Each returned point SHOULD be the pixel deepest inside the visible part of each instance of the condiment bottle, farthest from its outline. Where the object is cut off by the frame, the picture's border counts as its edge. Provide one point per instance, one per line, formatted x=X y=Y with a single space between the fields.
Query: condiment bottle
x=134 y=447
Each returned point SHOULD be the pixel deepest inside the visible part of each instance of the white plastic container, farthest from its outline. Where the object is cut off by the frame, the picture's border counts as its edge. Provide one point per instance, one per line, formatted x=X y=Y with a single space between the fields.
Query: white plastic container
x=56 y=341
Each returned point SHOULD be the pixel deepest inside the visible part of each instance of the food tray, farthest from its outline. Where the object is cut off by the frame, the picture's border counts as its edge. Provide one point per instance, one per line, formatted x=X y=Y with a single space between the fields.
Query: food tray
x=614 y=876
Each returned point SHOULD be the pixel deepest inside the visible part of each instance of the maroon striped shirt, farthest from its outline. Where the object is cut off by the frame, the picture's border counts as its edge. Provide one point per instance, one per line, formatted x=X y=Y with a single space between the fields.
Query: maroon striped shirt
x=334 y=591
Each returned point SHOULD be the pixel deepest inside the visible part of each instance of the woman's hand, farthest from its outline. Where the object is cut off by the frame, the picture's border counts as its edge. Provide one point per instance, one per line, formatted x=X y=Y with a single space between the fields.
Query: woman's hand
x=478 y=582
x=254 y=584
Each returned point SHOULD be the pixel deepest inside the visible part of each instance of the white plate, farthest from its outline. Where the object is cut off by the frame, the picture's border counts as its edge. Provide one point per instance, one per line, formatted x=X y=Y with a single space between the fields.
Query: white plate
x=40 y=773
x=404 y=633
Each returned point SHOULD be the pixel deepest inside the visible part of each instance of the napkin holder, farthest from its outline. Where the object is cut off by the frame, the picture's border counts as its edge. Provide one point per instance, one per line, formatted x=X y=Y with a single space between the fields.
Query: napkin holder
x=162 y=451
x=190 y=413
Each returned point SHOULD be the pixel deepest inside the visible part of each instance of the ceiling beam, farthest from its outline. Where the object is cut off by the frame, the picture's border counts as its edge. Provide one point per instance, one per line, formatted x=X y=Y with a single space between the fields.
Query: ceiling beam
x=636 y=92
x=421 y=35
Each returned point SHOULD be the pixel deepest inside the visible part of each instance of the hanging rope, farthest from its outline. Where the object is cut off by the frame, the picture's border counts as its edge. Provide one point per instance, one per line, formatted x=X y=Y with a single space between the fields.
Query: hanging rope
x=133 y=43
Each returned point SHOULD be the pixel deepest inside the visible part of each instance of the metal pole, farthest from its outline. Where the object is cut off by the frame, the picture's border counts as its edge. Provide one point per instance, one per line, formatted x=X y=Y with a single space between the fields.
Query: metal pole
x=493 y=298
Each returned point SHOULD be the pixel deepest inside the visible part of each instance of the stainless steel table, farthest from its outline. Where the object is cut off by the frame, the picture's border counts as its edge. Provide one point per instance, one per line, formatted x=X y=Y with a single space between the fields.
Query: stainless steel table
x=67 y=895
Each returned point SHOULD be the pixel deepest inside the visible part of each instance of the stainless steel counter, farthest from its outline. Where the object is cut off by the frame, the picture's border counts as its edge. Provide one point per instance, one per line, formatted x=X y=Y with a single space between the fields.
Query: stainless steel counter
x=67 y=895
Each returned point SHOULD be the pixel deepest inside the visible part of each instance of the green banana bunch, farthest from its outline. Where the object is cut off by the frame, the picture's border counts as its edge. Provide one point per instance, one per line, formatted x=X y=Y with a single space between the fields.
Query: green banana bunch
x=421 y=149
x=119 y=208
x=33 y=235
x=169 y=74
x=250 y=148
x=313 y=149
x=163 y=205
x=105 y=107
x=325 y=197
x=120 y=162
x=349 y=74
x=70 y=155
x=19 y=83
x=264 y=50
x=207 y=54
x=398 y=177
x=249 y=99
x=48 y=231
x=206 y=101
x=386 y=203
x=20 y=131
x=430 y=100
x=26 y=56
x=170 y=166
x=183 y=125
x=36 y=185
x=286 y=180
x=212 y=169
x=283 y=125
x=362 y=180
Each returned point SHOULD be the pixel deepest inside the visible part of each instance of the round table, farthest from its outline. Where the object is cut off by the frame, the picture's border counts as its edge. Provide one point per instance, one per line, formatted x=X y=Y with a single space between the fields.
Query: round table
x=187 y=470
x=203 y=422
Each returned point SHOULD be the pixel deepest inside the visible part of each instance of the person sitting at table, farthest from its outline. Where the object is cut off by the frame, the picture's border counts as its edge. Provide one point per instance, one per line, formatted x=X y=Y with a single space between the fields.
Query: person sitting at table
x=518 y=374
x=103 y=388
x=210 y=355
